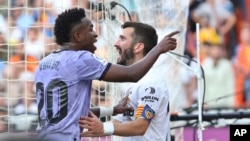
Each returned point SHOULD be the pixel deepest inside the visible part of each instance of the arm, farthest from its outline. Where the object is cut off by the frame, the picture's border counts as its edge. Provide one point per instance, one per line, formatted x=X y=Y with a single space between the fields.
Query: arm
x=133 y=73
x=230 y=22
x=133 y=128
x=121 y=107
x=97 y=128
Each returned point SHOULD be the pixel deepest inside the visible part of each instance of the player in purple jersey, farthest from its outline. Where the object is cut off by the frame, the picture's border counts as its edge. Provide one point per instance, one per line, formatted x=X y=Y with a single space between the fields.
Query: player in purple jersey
x=63 y=78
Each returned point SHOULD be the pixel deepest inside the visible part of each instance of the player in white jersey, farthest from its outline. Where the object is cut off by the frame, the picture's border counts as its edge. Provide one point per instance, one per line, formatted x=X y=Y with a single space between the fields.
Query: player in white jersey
x=149 y=97
x=63 y=78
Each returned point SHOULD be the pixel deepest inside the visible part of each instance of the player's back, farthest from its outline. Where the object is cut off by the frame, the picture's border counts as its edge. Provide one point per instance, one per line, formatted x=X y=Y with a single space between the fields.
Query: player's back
x=63 y=84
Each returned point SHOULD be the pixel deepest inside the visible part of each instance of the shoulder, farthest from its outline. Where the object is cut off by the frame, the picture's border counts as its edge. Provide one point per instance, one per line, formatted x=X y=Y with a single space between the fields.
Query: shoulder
x=227 y=63
x=89 y=55
x=155 y=80
x=156 y=87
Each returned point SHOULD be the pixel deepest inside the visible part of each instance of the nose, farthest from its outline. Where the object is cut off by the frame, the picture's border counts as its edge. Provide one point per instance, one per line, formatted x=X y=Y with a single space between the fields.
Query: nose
x=116 y=44
x=95 y=35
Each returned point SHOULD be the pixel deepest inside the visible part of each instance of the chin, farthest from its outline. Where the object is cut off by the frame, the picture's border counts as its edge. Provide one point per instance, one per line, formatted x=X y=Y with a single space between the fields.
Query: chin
x=92 y=49
x=121 y=62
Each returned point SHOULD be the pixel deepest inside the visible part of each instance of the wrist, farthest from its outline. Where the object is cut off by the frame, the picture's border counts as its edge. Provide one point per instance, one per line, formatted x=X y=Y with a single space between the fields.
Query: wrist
x=158 y=50
x=106 y=111
x=108 y=128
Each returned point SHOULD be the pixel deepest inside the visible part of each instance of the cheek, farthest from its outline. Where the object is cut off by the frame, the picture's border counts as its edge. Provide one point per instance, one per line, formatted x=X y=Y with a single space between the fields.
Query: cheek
x=124 y=45
x=88 y=36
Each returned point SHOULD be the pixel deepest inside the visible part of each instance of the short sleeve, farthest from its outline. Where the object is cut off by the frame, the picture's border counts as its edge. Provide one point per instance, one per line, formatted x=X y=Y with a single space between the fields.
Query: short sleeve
x=90 y=67
x=151 y=97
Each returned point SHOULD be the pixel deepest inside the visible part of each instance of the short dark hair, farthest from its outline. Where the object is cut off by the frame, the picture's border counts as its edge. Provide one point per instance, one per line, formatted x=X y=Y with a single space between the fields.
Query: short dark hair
x=65 y=22
x=143 y=33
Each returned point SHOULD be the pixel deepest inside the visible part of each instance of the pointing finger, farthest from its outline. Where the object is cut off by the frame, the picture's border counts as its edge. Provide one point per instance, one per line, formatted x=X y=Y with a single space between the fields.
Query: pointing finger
x=172 y=33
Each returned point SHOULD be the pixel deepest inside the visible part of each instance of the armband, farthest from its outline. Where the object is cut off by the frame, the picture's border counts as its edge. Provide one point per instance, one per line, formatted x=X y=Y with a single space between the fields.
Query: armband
x=108 y=128
x=105 y=111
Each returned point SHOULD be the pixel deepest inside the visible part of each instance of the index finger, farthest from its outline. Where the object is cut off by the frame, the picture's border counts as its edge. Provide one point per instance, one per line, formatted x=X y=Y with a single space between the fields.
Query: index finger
x=85 y=119
x=92 y=115
x=172 y=33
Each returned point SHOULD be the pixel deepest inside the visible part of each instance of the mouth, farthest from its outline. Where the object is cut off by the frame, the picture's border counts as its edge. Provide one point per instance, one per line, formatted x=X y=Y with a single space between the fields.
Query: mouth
x=119 y=51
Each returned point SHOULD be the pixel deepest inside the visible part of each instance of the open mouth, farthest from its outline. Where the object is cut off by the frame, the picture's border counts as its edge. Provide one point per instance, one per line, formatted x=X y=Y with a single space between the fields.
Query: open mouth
x=119 y=50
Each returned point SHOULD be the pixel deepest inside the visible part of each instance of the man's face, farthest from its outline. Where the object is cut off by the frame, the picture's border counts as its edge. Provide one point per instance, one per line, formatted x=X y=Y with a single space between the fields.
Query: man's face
x=124 y=46
x=88 y=35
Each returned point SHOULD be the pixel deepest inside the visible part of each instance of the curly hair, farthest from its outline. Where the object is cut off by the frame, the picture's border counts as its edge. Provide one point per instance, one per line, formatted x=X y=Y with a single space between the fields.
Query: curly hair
x=143 y=33
x=65 y=22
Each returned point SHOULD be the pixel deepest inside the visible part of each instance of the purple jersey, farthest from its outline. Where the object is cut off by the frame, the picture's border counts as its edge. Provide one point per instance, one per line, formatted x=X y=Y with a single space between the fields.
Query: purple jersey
x=63 y=88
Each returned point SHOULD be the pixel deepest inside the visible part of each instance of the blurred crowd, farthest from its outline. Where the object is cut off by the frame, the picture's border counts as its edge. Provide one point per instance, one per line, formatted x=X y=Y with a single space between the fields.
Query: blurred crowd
x=224 y=48
x=26 y=36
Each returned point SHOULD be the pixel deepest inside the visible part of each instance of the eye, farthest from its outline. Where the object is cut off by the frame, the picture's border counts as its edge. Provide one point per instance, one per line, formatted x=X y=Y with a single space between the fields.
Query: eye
x=122 y=38
x=91 y=29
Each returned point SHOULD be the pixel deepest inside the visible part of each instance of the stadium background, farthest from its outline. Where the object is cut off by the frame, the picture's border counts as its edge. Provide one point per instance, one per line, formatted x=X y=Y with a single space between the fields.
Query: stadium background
x=26 y=36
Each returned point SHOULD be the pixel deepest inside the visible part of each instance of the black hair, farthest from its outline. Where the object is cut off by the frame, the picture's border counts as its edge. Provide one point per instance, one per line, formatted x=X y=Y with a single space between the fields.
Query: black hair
x=65 y=22
x=143 y=33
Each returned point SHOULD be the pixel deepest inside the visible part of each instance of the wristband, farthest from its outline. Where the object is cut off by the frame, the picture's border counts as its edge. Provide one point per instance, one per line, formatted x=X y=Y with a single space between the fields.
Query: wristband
x=108 y=128
x=105 y=111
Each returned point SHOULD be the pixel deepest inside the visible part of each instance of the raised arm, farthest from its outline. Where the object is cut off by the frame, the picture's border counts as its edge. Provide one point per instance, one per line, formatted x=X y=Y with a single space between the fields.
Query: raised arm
x=133 y=73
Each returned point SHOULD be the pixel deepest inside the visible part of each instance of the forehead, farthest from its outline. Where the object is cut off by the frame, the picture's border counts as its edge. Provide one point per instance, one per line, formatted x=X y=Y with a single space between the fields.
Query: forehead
x=127 y=31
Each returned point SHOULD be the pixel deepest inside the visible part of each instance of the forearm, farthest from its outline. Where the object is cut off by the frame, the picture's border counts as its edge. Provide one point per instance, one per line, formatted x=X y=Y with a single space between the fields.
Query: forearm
x=229 y=23
x=96 y=128
x=133 y=128
x=102 y=111
x=132 y=73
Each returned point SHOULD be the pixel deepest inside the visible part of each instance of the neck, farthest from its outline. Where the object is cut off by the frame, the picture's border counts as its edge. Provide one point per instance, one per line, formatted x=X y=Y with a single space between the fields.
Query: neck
x=136 y=59
x=129 y=62
x=68 y=46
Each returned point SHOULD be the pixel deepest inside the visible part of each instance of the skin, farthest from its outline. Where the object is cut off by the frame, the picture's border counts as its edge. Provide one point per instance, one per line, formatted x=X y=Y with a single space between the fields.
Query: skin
x=95 y=127
x=121 y=107
x=83 y=37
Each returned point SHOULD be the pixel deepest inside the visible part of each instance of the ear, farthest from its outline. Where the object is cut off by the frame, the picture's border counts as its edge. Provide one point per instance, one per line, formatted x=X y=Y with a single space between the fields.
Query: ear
x=138 y=48
x=76 y=36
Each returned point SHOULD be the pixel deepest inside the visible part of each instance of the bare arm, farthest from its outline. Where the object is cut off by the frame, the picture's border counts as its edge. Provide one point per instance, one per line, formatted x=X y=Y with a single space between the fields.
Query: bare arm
x=132 y=128
x=120 y=108
x=95 y=127
x=230 y=22
x=135 y=72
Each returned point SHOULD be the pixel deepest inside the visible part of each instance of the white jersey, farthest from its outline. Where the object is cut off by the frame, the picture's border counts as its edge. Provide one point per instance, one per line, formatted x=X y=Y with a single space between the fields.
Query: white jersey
x=149 y=97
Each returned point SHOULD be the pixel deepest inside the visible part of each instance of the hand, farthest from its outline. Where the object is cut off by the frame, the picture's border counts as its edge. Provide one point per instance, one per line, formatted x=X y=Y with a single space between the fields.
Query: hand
x=93 y=125
x=168 y=42
x=121 y=107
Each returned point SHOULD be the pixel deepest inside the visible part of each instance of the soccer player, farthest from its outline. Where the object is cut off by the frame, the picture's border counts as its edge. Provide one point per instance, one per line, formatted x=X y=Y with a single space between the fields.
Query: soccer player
x=149 y=96
x=63 y=78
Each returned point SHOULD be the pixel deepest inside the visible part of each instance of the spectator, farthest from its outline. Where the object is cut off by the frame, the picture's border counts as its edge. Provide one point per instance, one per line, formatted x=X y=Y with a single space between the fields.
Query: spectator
x=242 y=63
x=219 y=77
